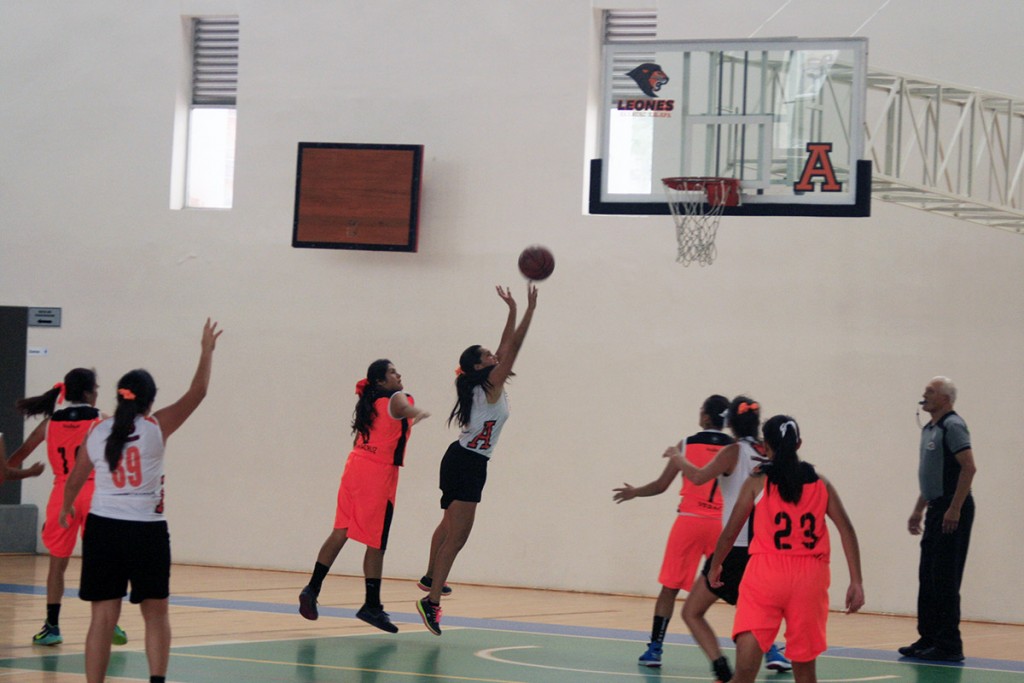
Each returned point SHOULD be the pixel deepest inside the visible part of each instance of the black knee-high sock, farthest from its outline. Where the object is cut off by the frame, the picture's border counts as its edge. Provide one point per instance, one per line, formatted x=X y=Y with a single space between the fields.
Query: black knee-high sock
x=158 y=679
x=53 y=614
x=319 y=574
x=373 y=592
x=659 y=628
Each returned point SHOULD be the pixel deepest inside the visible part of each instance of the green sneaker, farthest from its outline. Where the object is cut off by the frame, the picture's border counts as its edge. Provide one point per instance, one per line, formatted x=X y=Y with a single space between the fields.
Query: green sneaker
x=48 y=635
x=120 y=637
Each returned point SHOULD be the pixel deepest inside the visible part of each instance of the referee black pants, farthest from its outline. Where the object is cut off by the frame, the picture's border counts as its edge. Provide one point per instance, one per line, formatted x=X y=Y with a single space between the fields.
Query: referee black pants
x=943 y=557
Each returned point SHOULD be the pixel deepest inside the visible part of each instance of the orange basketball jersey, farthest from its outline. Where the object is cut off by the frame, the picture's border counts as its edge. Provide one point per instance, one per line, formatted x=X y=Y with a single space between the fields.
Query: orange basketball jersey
x=67 y=429
x=792 y=529
x=388 y=436
x=704 y=500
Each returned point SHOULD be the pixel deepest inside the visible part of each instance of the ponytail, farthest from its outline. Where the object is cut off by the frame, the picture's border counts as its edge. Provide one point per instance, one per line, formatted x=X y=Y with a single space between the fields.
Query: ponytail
x=369 y=391
x=716 y=407
x=135 y=393
x=744 y=417
x=784 y=470
x=77 y=383
x=468 y=377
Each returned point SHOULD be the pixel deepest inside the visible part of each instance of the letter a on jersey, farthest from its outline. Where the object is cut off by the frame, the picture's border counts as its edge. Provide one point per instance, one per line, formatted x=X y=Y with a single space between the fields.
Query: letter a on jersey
x=818 y=166
x=483 y=439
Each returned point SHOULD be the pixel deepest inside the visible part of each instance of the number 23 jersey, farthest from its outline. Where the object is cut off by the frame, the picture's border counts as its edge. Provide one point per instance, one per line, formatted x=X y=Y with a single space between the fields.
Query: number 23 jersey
x=135 y=490
x=790 y=529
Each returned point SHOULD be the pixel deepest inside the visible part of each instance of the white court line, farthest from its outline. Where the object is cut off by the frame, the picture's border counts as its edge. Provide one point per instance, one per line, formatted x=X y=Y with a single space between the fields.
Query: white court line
x=488 y=654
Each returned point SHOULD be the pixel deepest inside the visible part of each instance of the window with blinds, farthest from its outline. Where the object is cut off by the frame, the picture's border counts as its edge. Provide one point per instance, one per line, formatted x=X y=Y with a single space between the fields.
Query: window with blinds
x=210 y=163
x=630 y=139
x=629 y=26
x=621 y=26
x=214 y=61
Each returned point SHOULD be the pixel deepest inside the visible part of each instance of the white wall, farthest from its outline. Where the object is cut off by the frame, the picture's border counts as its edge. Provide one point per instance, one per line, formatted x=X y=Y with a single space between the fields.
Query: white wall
x=839 y=322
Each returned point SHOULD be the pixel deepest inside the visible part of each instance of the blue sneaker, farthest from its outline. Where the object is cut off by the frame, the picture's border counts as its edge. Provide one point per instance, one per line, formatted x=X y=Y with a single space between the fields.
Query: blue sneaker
x=48 y=635
x=776 y=661
x=652 y=657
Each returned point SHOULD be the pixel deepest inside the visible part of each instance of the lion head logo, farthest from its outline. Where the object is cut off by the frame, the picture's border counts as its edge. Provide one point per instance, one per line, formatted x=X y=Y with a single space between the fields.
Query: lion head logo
x=649 y=77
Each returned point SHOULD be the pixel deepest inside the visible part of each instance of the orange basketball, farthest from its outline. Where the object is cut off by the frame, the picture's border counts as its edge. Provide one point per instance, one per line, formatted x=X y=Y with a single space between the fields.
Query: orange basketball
x=536 y=262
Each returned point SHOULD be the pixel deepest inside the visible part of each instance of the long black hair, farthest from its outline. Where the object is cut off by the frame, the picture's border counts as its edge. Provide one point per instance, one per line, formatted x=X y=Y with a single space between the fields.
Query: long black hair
x=785 y=470
x=136 y=391
x=468 y=378
x=744 y=417
x=714 y=407
x=369 y=391
x=75 y=386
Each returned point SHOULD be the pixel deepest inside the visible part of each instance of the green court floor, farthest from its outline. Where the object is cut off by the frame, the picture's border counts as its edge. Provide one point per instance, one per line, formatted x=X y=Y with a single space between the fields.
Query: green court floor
x=475 y=654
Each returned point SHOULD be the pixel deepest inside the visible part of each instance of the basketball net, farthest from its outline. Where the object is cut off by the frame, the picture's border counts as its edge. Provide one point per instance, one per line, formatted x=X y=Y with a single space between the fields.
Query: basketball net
x=696 y=205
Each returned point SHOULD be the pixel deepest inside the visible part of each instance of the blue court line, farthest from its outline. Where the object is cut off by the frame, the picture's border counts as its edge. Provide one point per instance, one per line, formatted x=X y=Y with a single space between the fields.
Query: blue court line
x=523 y=627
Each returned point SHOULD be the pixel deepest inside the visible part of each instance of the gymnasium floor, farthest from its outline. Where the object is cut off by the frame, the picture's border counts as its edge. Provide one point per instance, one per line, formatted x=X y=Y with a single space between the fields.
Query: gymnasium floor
x=241 y=625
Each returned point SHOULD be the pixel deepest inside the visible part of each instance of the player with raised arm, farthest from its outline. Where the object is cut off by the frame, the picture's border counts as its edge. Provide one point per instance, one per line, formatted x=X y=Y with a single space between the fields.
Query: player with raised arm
x=481 y=409
x=126 y=540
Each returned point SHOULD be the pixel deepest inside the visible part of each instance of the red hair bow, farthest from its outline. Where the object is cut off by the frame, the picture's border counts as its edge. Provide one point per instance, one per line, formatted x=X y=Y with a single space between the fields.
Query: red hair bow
x=60 y=385
x=126 y=394
x=361 y=386
x=744 y=407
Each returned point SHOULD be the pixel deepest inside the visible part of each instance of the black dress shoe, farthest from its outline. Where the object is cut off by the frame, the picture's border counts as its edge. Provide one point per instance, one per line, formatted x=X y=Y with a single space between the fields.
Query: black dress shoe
x=936 y=654
x=914 y=648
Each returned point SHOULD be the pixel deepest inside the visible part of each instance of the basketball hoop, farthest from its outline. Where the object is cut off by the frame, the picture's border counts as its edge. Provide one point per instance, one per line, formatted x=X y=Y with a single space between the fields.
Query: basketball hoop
x=697 y=205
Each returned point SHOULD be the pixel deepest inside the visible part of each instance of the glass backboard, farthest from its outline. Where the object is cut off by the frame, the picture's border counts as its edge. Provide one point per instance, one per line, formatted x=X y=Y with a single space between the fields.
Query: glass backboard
x=785 y=116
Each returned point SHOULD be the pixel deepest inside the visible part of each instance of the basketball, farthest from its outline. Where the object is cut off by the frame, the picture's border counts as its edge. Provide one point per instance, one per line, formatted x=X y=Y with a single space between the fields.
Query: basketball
x=536 y=262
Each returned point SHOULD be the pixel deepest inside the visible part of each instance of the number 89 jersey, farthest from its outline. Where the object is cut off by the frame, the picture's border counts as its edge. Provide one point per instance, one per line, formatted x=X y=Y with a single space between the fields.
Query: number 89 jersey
x=791 y=529
x=135 y=490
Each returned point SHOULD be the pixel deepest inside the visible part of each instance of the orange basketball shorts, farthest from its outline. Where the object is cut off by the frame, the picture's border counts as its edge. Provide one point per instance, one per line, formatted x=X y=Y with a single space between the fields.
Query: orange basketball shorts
x=690 y=539
x=791 y=588
x=366 y=499
x=58 y=540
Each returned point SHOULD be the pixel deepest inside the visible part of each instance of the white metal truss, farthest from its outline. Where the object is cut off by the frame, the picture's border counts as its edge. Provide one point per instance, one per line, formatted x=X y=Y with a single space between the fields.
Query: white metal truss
x=947 y=149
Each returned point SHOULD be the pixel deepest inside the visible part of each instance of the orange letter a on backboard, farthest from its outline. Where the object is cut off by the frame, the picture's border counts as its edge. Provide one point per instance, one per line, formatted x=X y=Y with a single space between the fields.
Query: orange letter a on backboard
x=819 y=165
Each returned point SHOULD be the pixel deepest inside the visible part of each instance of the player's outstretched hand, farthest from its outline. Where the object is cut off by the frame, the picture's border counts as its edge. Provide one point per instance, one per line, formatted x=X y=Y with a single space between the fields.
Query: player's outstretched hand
x=210 y=335
x=624 y=492
x=531 y=295
x=506 y=295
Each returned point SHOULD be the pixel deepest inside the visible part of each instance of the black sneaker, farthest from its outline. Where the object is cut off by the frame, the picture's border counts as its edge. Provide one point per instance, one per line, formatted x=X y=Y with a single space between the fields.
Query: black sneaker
x=426 y=583
x=307 y=603
x=376 y=616
x=720 y=668
x=914 y=648
x=431 y=615
x=937 y=654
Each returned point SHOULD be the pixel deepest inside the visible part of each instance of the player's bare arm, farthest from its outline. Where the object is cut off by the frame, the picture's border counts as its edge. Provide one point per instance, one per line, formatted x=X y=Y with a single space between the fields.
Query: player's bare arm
x=851 y=548
x=724 y=462
x=651 y=488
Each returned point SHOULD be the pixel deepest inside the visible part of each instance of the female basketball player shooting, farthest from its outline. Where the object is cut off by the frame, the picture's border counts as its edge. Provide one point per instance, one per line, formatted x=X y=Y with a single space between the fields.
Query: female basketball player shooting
x=481 y=409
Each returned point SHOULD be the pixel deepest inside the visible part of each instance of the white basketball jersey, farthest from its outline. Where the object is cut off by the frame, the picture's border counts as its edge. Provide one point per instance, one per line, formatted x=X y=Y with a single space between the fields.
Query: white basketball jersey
x=731 y=484
x=485 y=423
x=135 y=490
